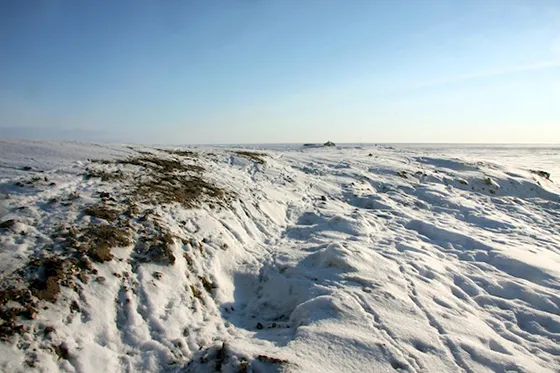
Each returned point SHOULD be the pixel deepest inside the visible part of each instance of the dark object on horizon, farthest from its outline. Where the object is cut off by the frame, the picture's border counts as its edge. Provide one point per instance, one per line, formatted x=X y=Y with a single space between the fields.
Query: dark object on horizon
x=541 y=173
x=329 y=143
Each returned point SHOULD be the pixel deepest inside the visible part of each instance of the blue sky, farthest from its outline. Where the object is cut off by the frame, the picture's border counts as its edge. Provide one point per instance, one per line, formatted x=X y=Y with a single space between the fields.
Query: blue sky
x=256 y=71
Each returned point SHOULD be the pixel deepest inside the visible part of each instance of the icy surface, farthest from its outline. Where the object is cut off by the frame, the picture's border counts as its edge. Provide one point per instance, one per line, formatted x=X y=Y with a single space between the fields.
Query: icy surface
x=352 y=259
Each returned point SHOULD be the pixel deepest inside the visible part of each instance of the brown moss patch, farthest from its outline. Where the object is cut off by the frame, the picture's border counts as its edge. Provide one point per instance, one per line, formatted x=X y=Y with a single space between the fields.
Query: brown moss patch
x=104 y=175
x=164 y=180
x=102 y=211
x=156 y=249
x=158 y=164
x=47 y=285
x=15 y=303
x=180 y=152
x=101 y=238
x=187 y=190
x=253 y=156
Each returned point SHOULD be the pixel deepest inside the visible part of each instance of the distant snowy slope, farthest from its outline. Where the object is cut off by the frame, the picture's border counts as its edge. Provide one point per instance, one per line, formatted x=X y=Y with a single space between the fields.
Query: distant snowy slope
x=48 y=155
x=352 y=259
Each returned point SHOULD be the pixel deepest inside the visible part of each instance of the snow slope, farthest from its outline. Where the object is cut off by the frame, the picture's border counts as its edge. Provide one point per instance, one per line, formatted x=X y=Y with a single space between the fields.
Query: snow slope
x=353 y=259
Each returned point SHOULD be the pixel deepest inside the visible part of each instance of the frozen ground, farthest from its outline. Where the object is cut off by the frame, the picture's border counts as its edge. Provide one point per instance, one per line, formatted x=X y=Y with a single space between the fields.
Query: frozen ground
x=355 y=259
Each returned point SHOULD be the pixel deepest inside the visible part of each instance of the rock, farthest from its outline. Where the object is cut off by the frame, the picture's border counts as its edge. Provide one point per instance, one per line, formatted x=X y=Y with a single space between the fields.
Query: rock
x=62 y=351
x=104 y=194
x=101 y=279
x=157 y=275
x=323 y=198
x=329 y=143
x=271 y=360
x=48 y=330
x=541 y=173
x=7 y=224
x=82 y=277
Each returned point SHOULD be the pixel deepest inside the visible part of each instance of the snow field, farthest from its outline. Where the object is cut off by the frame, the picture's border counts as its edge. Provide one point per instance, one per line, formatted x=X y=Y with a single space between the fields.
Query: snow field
x=322 y=260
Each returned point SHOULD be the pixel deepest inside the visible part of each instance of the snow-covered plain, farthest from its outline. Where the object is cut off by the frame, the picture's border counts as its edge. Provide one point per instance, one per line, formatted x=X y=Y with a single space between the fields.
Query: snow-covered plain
x=346 y=259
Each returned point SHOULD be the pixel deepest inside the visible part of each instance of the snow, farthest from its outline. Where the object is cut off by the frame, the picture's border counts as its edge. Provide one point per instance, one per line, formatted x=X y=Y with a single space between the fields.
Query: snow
x=357 y=258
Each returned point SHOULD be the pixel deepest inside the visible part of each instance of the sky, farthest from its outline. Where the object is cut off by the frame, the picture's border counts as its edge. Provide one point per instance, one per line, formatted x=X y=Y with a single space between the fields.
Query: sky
x=281 y=71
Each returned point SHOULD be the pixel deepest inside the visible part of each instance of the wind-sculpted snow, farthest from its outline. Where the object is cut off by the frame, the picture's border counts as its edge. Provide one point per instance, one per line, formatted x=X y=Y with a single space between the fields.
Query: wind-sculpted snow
x=356 y=259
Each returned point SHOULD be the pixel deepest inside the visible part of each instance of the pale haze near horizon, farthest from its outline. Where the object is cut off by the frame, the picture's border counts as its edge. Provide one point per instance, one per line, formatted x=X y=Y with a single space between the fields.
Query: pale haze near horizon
x=252 y=71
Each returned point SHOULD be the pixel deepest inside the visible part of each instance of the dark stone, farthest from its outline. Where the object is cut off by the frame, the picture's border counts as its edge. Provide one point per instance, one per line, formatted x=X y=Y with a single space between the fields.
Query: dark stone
x=62 y=351
x=48 y=330
x=157 y=275
x=7 y=224
x=541 y=173
x=104 y=194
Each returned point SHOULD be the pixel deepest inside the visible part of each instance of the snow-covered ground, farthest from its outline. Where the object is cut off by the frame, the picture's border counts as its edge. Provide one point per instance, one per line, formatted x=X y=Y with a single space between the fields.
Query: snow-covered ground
x=345 y=259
